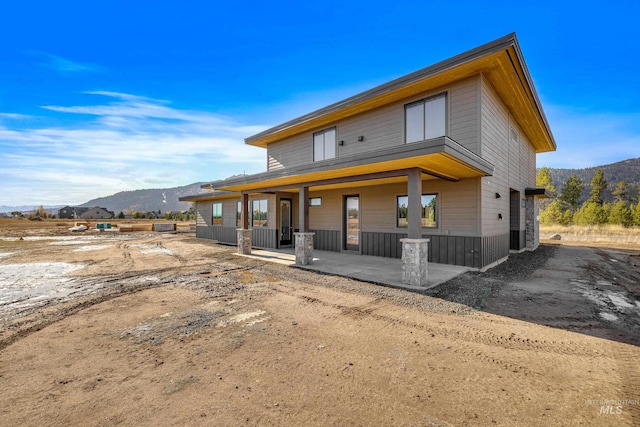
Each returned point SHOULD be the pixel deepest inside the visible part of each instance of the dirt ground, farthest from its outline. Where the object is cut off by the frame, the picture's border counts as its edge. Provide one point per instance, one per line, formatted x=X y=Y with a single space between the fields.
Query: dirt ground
x=162 y=329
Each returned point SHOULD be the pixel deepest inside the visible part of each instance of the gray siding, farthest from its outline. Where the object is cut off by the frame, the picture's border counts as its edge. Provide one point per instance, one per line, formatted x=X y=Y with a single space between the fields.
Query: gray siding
x=327 y=240
x=203 y=214
x=264 y=237
x=464 y=117
x=384 y=128
x=468 y=251
x=514 y=160
x=495 y=137
x=458 y=209
x=220 y=234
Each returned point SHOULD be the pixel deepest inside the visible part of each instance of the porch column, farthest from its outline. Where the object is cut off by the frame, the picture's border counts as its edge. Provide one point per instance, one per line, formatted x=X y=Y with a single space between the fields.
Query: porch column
x=303 y=239
x=414 y=210
x=303 y=209
x=244 y=234
x=414 y=248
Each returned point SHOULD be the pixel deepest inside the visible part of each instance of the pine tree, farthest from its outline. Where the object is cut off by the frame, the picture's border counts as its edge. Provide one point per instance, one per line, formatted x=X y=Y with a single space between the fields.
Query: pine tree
x=543 y=180
x=571 y=192
x=598 y=184
x=621 y=214
x=621 y=192
x=636 y=215
x=591 y=213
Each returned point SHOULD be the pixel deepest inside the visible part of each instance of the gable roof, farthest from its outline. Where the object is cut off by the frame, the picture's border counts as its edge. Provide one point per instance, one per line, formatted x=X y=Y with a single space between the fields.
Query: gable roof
x=501 y=62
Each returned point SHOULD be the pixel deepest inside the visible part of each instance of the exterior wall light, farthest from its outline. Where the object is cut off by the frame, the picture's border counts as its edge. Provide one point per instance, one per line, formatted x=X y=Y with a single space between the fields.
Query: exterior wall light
x=361 y=138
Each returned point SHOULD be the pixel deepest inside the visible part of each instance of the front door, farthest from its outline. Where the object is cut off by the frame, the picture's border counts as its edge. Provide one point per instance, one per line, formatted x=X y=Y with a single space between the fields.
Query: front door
x=352 y=223
x=286 y=213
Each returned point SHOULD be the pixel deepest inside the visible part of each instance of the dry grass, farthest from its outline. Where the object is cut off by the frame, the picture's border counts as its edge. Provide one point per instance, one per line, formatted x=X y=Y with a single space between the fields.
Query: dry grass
x=603 y=236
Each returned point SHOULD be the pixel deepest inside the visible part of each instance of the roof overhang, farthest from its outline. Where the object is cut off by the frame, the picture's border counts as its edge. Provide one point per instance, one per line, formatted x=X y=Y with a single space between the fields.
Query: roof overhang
x=438 y=158
x=500 y=62
x=213 y=195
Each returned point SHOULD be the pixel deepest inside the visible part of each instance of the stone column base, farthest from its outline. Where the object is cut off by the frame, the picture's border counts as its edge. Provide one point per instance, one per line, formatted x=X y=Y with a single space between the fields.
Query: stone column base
x=244 y=241
x=304 y=248
x=414 y=261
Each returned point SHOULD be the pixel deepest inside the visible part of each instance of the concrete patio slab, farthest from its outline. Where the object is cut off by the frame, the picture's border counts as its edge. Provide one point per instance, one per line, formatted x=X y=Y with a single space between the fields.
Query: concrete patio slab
x=372 y=269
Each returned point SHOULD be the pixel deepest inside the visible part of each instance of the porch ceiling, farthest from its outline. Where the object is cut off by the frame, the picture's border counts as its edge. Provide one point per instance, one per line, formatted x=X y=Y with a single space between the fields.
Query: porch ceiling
x=438 y=158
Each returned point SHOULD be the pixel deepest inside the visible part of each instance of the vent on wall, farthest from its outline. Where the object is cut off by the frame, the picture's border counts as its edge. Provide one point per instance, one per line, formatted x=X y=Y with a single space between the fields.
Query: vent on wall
x=514 y=135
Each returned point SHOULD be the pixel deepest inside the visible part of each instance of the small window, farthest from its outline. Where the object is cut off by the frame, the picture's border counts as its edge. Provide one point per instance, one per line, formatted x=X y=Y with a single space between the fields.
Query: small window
x=315 y=201
x=239 y=214
x=259 y=213
x=426 y=119
x=429 y=210
x=324 y=144
x=216 y=215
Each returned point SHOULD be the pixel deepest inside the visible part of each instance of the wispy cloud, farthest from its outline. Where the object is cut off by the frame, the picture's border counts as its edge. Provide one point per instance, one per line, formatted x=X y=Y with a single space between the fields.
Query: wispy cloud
x=130 y=142
x=587 y=139
x=62 y=65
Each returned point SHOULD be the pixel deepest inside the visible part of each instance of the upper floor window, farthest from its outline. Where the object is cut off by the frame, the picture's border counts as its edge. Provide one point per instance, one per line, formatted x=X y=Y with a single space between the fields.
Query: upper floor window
x=259 y=212
x=426 y=118
x=216 y=214
x=324 y=144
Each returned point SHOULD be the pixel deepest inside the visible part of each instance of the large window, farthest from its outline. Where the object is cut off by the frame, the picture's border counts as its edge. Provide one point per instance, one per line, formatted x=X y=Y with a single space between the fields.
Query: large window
x=324 y=144
x=216 y=214
x=426 y=119
x=429 y=210
x=259 y=213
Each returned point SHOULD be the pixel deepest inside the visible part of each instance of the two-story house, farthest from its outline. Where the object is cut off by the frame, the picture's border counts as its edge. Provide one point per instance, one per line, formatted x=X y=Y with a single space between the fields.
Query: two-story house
x=447 y=153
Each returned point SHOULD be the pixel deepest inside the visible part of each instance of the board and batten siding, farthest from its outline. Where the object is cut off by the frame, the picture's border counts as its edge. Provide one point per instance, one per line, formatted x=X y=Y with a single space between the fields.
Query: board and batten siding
x=384 y=127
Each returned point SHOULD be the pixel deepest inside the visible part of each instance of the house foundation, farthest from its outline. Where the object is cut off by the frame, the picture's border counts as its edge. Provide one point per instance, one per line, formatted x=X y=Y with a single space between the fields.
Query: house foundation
x=414 y=261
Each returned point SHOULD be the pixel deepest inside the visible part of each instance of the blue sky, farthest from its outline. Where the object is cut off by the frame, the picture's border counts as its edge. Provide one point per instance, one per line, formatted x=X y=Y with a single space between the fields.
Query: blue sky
x=101 y=97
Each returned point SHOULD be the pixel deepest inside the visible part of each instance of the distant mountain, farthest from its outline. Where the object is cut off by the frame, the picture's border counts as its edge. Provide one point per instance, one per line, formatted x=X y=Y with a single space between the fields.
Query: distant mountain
x=155 y=199
x=28 y=208
x=626 y=170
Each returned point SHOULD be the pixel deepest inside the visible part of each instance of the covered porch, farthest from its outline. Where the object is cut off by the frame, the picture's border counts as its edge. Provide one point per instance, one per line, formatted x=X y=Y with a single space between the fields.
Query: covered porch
x=379 y=270
x=440 y=159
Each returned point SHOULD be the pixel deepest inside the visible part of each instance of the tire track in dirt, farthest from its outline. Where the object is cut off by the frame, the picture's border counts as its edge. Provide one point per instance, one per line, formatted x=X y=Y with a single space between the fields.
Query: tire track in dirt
x=467 y=332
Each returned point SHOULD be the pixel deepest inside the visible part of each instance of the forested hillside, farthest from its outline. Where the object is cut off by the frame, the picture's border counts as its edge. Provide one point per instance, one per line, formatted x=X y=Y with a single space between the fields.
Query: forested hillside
x=626 y=170
x=601 y=195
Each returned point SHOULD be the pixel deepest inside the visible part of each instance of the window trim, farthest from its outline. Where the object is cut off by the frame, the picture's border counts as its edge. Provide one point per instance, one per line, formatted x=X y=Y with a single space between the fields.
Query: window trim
x=423 y=101
x=435 y=211
x=335 y=144
x=266 y=212
x=213 y=213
